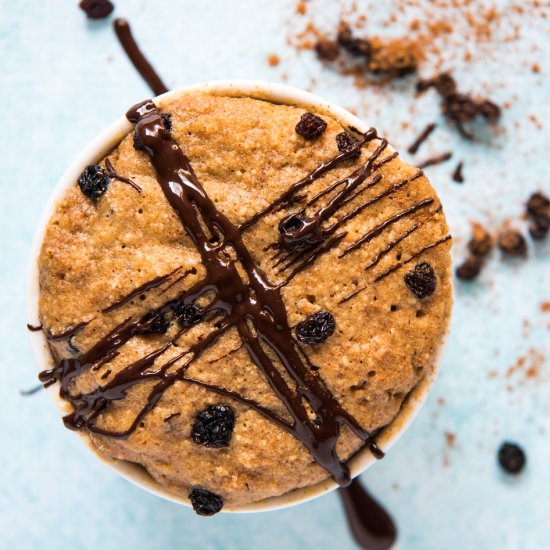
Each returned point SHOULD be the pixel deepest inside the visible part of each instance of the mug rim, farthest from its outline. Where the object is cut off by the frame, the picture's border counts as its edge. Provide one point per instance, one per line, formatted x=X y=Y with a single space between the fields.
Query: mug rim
x=106 y=141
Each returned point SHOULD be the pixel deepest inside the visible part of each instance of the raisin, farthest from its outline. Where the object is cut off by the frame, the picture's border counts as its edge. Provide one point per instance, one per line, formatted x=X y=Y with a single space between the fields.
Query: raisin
x=310 y=126
x=421 y=280
x=316 y=328
x=167 y=121
x=538 y=205
x=96 y=9
x=138 y=146
x=204 y=502
x=470 y=268
x=481 y=242
x=187 y=314
x=512 y=243
x=93 y=181
x=160 y=325
x=213 y=427
x=355 y=46
x=539 y=227
x=327 y=50
x=346 y=143
x=511 y=457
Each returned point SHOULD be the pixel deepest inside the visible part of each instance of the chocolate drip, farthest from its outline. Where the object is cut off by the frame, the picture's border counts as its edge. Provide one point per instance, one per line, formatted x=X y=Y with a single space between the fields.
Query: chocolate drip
x=144 y=68
x=371 y=525
x=149 y=285
x=375 y=231
x=424 y=135
x=32 y=391
x=436 y=160
x=33 y=328
x=67 y=334
x=392 y=245
x=288 y=196
x=411 y=258
x=115 y=175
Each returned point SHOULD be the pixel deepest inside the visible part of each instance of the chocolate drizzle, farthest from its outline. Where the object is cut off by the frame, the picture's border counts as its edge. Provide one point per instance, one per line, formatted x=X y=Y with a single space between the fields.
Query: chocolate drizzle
x=144 y=68
x=249 y=303
x=33 y=328
x=372 y=527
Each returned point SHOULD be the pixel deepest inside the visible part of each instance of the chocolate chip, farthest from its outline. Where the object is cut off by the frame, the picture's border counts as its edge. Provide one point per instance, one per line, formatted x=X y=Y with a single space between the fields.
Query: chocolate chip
x=511 y=457
x=204 y=502
x=346 y=143
x=316 y=328
x=96 y=9
x=512 y=243
x=421 y=280
x=167 y=121
x=355 y=46
x=310 y=126
x=93 y=181
x=539 y=227
x=470 y=268
x=538 y=205
x=160 y=325
x=187 y=314
x=327 y=50
x=481 y=242
x=213 y=427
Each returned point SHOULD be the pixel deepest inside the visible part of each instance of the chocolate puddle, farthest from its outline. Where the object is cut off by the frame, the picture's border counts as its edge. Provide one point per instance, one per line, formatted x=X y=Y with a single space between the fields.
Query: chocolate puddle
x=370 y=524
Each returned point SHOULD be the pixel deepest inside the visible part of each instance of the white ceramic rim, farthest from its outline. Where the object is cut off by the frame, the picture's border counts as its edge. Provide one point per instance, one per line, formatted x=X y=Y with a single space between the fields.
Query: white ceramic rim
x=106 y=141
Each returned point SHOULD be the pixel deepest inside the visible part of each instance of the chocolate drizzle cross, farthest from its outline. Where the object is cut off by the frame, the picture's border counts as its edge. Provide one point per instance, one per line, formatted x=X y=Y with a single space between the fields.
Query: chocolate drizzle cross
x=239 y=296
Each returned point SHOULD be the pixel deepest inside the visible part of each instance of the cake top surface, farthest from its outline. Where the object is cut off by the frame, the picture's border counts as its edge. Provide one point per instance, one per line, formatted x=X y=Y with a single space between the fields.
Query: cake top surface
x=241 y=295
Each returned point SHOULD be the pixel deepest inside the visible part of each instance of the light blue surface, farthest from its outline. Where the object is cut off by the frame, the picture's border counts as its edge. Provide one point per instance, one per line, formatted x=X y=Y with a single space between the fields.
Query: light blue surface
x=64 y=79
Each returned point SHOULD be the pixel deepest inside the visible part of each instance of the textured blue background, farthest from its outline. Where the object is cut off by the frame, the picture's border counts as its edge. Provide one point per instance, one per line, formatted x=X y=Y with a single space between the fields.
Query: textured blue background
x=64 y=79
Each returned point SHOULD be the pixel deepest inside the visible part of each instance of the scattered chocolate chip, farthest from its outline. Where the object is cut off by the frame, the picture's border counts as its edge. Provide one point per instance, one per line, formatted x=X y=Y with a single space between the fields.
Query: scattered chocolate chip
x=470 y=268
x=327 y=50
x=539 y=227
x=93 y=182
x=138 y=146
x=346 y=143
x=187 y=314
x=167 y=121
x=316 y=328
x=512 y=243
x=538 y=205
x=481 y=242
x=290 y=223
x=96 y=9
x=458 y=176
x=421 y=280
x=213 y=427
x=310 y=126
x=511 y=457
x=204 y=502
x=355 y=46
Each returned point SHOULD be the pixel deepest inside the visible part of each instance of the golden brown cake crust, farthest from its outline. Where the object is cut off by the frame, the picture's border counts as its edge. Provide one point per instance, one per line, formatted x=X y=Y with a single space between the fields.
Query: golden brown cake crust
x=245 y=153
